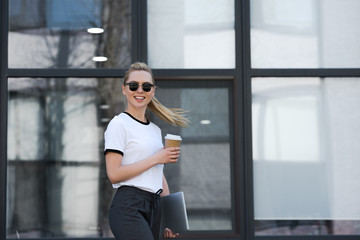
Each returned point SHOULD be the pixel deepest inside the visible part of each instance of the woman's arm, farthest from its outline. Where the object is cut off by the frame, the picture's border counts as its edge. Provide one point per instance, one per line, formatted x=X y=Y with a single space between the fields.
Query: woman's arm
x=118 y=173
x=166 y=190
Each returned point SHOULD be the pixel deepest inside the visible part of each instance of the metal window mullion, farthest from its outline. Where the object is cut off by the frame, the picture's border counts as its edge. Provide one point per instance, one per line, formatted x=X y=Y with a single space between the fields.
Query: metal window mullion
x=63 y=73
x=3 y=113
x=293 y=72
x=139 y=30
x=247 y=122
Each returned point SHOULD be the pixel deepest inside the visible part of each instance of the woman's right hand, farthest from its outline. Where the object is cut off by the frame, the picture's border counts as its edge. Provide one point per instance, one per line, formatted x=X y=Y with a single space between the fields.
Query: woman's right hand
x=168 y=155
x=168 y=233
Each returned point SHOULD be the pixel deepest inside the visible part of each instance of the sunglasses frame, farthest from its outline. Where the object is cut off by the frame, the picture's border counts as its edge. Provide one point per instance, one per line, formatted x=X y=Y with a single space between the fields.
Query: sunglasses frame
x=147 y=86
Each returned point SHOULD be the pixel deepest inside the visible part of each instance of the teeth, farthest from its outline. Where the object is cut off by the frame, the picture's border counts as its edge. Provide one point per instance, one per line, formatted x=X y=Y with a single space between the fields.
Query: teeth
x=141 y=98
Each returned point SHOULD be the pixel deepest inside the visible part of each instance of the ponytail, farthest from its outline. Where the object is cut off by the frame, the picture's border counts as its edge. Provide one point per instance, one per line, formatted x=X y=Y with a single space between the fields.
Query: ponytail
x=173 y=116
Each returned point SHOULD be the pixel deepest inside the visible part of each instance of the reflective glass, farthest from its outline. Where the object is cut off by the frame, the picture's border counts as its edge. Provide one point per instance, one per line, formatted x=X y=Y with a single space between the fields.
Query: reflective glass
x=305 y=34
x=57 y=184
x=305 y=155
x=203 y=172
x=54 y=33
x=191 y=34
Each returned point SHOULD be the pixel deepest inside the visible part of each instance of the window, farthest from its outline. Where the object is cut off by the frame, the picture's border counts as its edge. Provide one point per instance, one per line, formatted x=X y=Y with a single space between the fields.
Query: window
x=54 y=34
x=304 y=34
x=50 y=142
x=305 y=132
x=56 y=181
x=191 y=34
x=204 y=169
x=272 y=90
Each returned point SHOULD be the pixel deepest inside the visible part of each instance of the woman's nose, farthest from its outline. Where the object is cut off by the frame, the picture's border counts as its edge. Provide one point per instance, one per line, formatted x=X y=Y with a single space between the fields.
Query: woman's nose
x=140 y=89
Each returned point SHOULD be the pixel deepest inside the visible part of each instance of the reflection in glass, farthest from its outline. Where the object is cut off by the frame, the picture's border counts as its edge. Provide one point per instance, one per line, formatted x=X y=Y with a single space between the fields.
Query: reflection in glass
x=305 y=155
x=191 y=34
x=305 y=34
x=203 y=170
x=53 y=33
x=57 y=185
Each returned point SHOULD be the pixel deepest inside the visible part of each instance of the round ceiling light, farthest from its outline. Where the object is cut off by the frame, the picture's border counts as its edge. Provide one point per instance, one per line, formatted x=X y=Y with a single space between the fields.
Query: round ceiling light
x=99 y=59
x=205 y=122
x=95 y=30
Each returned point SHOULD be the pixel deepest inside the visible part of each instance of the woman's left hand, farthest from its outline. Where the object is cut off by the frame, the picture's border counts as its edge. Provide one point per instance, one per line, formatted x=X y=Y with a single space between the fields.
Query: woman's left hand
x=168 y=233
x=167 y=155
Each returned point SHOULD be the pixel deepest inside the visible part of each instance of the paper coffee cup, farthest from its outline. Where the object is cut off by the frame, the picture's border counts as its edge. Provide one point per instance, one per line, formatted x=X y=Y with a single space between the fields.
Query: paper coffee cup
x=172 y=140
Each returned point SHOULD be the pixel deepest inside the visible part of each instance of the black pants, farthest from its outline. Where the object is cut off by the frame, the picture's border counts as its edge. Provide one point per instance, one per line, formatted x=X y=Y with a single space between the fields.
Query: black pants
x=135 y=214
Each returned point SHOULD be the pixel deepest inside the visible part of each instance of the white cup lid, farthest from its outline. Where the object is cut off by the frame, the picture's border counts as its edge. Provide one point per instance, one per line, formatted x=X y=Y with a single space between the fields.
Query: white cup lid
x=173 y=137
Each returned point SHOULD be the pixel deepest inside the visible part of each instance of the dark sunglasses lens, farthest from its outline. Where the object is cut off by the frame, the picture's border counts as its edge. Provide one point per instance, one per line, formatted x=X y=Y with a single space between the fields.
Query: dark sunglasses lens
x=133 y=86
x=147 y=87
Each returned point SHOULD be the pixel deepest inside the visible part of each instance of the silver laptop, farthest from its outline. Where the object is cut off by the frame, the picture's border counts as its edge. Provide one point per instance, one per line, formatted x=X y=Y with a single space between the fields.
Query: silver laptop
x=173 y=213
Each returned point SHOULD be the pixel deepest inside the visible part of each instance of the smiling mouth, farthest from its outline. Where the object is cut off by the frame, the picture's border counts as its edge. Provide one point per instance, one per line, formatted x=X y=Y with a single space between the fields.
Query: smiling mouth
x=139 y=98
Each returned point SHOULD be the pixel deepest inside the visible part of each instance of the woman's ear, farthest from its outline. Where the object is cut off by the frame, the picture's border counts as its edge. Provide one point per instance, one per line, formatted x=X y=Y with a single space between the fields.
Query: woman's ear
x=123 y=89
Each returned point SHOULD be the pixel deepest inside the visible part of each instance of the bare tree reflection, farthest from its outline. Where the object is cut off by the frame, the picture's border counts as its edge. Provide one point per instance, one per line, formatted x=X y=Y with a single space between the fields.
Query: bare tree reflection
x=64 y=48
x=116 y=46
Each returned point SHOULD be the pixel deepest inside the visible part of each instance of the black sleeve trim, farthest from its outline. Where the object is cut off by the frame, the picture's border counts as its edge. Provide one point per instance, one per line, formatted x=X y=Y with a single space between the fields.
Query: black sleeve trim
x=114 y=151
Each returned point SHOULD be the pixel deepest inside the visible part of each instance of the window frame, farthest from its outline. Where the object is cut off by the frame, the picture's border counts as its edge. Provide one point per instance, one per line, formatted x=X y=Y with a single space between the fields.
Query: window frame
x=241 y=75
x=164 y=81
x=3 y=111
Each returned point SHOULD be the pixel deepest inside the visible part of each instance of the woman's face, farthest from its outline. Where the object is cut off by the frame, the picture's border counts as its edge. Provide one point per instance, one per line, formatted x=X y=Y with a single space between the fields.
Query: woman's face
x=138 y=99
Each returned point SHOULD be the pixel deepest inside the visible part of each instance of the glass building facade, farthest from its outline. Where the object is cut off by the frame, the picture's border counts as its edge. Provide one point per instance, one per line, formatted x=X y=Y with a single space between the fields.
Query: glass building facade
x=271 y=87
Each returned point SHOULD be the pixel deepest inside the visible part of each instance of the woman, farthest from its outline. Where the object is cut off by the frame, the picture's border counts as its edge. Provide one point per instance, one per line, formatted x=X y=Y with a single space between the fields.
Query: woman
x=135 y=157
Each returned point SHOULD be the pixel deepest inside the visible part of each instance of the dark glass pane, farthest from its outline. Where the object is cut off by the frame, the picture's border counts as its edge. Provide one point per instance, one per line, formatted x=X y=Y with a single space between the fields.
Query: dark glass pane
x=203 y=171
x=54 y=33
x=57 y=183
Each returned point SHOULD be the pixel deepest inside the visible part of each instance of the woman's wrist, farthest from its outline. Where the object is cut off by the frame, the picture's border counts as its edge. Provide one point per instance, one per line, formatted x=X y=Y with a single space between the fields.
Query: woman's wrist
x=153 y=160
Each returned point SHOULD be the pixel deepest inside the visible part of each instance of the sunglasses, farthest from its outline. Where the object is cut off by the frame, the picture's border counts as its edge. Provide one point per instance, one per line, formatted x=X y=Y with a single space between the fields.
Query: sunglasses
x=133 y=86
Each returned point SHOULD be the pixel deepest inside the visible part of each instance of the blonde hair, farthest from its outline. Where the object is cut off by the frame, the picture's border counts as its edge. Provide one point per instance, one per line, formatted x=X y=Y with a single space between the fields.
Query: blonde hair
x=173 y=116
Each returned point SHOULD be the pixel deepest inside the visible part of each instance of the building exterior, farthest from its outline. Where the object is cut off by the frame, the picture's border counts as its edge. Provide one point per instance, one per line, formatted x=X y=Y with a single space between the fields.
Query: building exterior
x=272 y=92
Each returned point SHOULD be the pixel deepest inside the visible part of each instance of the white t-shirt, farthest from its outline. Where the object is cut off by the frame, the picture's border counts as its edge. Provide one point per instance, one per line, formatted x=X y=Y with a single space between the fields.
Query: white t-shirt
x=136 y=141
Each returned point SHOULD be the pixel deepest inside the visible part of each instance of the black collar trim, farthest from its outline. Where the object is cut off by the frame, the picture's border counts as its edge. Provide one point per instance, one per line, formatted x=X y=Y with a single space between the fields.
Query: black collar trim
x=144 y=123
